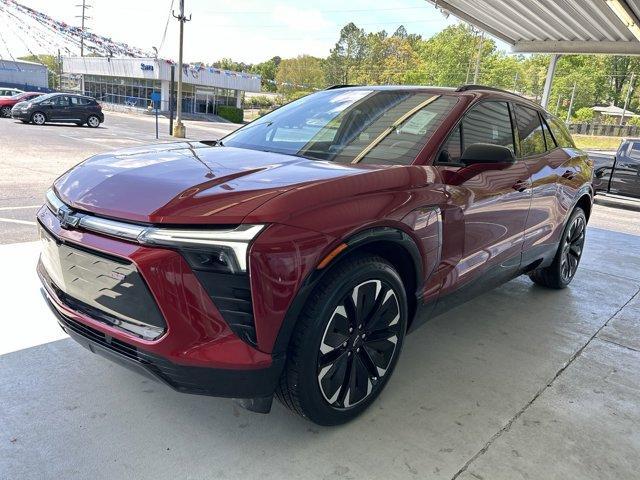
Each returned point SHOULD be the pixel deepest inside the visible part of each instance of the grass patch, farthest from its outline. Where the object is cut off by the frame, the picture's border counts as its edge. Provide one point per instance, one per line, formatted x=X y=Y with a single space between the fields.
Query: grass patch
x=596 y=142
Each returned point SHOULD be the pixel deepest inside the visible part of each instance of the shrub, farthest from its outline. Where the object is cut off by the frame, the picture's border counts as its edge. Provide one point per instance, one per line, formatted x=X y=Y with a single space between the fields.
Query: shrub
x=232 y=114
x=635 y=121
x=583 y=115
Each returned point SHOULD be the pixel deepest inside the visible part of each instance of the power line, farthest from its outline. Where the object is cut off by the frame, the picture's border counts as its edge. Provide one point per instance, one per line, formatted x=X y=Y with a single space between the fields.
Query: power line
x=166 y=26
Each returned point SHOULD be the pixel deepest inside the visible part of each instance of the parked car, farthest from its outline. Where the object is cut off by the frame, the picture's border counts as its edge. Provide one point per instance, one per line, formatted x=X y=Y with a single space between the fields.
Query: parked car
x=7 y=103
x=619 y=173
x=9 y=92
x=60 y=108
x=291 y=257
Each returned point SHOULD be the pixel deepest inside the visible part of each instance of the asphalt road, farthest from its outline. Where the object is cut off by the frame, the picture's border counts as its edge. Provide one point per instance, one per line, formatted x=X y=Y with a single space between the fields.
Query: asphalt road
x=32 y=157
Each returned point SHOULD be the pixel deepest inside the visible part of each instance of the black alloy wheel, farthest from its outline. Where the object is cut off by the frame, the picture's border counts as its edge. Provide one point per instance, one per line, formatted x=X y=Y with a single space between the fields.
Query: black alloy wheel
x=358 y=344
x=572 y=248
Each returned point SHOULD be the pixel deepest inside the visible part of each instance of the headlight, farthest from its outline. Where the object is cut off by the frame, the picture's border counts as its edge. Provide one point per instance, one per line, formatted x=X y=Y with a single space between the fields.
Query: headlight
x=217 y=250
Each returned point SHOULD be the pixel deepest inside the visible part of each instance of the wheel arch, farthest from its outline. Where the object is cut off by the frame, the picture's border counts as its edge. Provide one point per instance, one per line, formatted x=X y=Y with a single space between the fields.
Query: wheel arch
x=390 y=243
x=585 y=202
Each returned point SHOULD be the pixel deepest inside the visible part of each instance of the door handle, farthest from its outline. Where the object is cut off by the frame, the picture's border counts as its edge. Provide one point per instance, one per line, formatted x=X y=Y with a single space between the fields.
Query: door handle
x=521 y=185
x=569 y=174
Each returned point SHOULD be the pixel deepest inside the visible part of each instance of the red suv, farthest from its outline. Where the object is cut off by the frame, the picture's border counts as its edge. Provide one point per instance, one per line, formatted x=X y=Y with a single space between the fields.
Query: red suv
x=292 y=257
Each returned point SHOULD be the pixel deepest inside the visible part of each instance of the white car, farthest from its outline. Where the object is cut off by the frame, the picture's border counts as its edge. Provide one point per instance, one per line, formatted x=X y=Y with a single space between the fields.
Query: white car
x=9 y=92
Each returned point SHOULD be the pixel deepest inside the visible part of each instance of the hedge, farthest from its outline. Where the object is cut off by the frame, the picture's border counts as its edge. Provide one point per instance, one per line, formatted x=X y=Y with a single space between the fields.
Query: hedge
x=232 y=114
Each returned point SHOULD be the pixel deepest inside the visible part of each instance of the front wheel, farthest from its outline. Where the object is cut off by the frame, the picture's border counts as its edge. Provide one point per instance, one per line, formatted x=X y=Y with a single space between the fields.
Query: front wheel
x=565 y=264
x=5 y=112
x=346 y=343
x=93 y=121
x=38 y=118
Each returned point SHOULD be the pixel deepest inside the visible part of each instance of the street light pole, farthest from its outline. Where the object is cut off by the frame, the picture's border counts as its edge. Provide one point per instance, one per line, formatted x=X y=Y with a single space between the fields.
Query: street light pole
x=179 y=130
x=626 y=101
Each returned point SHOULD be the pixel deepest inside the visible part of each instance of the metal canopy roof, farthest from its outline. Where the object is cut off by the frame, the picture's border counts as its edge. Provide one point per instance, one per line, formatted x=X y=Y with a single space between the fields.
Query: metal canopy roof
x=555 y=26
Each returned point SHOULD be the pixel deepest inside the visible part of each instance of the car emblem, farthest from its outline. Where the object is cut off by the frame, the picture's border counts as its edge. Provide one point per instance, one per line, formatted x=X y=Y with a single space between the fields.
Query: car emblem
x=67 y=218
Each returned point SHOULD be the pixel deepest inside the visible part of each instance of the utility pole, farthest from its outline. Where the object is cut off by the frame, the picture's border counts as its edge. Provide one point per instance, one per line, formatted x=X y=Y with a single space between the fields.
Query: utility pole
x=558 y=105
x=478 y=59
x=83 y=17
x=573 y=96
x=59 y=65
x=179 y=130
x=626 y=101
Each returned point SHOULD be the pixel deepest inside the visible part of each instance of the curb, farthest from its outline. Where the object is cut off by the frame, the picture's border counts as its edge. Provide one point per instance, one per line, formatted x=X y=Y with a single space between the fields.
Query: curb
x=631 y=204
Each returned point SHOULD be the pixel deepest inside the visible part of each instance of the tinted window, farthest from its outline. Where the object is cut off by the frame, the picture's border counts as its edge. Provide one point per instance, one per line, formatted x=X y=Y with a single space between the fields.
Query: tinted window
x=548 y=138
x=560 y=132
x=634 y=150
x=530 y=131
x=389 y=126
x=75 y=101
x=489 y=122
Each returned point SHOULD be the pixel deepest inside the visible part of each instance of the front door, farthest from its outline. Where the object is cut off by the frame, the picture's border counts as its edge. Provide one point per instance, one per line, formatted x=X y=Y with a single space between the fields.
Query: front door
x=491 y=200
x=625 y=179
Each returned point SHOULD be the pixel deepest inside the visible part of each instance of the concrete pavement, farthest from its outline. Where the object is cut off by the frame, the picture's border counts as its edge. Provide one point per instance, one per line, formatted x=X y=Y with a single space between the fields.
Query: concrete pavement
x=519 y=383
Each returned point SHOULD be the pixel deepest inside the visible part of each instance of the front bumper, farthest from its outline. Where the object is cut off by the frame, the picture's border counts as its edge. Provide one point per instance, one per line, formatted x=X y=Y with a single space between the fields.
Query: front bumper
x=198 y=353
x=20 y=115
x=186 y=379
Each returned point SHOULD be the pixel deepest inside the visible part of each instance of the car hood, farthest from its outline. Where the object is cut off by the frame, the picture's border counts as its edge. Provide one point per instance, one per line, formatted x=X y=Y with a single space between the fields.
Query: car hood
x=188 y=182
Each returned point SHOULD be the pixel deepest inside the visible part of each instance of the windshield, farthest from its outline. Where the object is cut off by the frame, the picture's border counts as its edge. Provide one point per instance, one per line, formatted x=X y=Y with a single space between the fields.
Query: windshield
x=370 y=126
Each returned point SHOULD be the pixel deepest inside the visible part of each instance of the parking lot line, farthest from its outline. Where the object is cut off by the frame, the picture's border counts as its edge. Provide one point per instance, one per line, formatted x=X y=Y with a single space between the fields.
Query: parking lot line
x=21 y=222
x=26 y=207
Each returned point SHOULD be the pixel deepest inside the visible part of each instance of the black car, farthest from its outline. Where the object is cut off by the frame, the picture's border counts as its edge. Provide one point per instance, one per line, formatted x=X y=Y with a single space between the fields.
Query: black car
x=60 y=107
x=619 y=173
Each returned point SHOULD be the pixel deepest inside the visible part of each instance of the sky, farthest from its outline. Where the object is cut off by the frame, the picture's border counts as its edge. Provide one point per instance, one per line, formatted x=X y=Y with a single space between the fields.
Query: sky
x=245 y=30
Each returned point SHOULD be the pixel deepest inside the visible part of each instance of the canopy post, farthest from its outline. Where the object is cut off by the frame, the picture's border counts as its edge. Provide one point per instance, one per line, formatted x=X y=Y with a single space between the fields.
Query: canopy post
x=546 y=92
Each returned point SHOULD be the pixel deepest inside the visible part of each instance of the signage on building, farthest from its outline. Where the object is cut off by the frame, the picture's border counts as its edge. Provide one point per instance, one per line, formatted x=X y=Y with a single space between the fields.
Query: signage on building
x=146 y=67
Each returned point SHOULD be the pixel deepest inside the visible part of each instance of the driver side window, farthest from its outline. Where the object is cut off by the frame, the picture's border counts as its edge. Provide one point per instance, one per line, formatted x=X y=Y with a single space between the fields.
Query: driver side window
x=488 y=122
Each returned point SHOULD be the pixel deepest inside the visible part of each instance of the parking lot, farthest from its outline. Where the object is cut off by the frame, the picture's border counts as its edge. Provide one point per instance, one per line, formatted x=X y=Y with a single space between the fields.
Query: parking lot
x=521 y=382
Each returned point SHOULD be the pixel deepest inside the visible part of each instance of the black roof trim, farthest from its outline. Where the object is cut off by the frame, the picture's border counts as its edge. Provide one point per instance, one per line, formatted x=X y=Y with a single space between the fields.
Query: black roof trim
x=334 y=87
x=466 y=88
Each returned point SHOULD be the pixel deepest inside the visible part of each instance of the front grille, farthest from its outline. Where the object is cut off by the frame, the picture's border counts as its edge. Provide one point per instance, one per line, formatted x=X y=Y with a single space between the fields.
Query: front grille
x=105 y=288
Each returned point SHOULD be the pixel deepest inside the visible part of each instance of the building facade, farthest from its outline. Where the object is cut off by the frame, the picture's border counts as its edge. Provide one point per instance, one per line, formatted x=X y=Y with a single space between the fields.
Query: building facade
x=27 y=76
x=131 y=81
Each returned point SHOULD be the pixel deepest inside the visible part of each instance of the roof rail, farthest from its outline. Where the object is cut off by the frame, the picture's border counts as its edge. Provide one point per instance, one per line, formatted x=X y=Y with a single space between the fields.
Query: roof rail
x=466 y=88
x=333 y=87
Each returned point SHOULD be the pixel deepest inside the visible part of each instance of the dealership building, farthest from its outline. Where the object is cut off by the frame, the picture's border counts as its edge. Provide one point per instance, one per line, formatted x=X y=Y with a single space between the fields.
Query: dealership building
x=131 y=81
x=27 y=76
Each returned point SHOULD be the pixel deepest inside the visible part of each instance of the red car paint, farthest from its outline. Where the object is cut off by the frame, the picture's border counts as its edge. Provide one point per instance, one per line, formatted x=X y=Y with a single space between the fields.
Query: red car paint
x=490 y=217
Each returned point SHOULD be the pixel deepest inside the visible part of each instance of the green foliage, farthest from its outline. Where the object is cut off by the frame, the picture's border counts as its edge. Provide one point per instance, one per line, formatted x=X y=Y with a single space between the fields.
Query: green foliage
x=230 y=113
x=259 y=101
x=583 y=115
x=635 y=121
x=267 y=71
x=301 y=73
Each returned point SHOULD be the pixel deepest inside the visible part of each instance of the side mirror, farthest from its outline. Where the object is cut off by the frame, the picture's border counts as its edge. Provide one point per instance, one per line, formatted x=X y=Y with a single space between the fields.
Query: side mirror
x=487 y=153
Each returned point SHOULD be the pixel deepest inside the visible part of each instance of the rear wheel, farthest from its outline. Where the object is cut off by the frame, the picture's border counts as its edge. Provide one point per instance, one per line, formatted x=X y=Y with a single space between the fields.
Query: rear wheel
x=346 y=343
x=5 y=112
x=565 y=264
x=93 y=121
x=38 y=118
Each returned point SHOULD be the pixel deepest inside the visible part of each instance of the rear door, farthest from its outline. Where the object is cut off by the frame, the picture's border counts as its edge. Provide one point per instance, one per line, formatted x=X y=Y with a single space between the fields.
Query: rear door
x=493 y=200
x=59 y=109
x=77 y=109
x=625 y=179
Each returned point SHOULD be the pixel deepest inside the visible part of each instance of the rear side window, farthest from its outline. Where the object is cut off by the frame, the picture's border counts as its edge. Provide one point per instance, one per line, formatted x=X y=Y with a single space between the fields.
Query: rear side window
x=560 y=132
x=488 y=122
x=530 y=131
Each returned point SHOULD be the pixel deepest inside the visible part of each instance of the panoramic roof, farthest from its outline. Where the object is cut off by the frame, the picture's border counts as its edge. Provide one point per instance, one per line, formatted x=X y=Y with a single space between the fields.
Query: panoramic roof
x=555 y=26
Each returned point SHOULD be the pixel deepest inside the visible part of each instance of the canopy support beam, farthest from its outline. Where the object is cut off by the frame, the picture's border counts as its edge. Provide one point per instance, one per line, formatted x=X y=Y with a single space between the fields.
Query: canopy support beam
x=546 y=91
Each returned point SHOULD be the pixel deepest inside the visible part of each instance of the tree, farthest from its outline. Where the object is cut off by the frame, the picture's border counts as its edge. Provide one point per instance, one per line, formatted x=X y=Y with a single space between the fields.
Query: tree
x=346 y=56
x=267 y=71
x=583 y=115
x=303 y=73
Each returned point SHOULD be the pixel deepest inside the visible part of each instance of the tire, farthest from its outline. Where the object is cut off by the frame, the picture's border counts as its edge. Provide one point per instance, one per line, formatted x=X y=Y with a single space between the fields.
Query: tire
x=24 y=121
x=565 y=263
x=333 y=374
x=38 y=118
x=93 y=121
x=5 y=112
